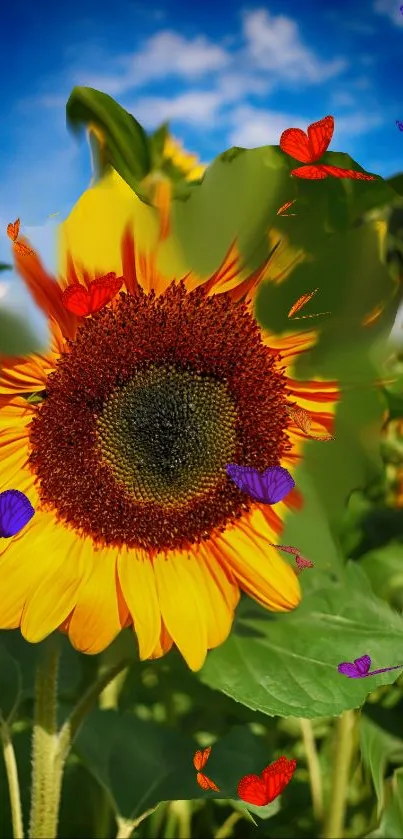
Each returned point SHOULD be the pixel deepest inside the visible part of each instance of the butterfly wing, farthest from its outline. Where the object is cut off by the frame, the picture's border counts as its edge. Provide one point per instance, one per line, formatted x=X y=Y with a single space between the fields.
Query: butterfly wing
x=13 y=230
x=252 y=789
x=300 y=417
x=337 y=172
x=303 y=563
x=22 y=249
x=310 y=173
x=285 y=207
x=201 y=757
x=76 y=299
x=363 y=664
x=399 y=125
x=287 y=548
x=301 y=302
x=347 y=668
x=206 y=783
x=320 y=134
x=277 y=484
x=247 y=479
x=103 y=290
x=277 y=776
x=294 y=142
x=15 y=512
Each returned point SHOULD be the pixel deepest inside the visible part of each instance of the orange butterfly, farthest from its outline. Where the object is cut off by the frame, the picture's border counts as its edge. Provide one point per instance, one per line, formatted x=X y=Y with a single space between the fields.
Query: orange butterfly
x=308 y=148
x=304 y=422
x=305 y=298
x=199 y=761
x=13 y=230
x=286 y=206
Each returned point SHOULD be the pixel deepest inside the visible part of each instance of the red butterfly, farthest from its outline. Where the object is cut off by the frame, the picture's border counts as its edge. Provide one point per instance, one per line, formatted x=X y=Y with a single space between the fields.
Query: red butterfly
x=83 y=302
x=308 y=148
x=199 y=761
x=261 y=790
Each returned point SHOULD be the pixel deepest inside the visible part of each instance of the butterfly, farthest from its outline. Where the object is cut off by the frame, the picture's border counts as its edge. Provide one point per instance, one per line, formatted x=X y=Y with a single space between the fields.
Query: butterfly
x=13 y=230
x=268 y=487
x=300 y=560
x=302 y=301
x=286 y=206
x=264 y=788
x=398 y=123
x=304 y=422
x=308 y=148
x=360 y=668
x=15 y=512
x=83 y=302
x=199 y=761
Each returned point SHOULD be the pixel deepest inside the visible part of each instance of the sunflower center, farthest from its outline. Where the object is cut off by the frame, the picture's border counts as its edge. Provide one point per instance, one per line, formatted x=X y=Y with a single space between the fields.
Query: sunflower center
x=151 y=400
x=168 y=434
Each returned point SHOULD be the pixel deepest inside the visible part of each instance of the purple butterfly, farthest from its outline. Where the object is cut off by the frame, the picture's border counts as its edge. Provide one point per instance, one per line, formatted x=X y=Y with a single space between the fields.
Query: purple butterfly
x=398 y=123
x=360 y=668
x=268 y=487
x=15 y=512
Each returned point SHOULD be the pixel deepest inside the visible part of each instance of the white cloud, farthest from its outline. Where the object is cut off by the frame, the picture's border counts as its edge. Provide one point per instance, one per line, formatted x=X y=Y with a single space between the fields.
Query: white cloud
x=164 y=54
x=193 y=108
x=258 y=127
x=353 y=125
x=275 y=45
x=390 y=9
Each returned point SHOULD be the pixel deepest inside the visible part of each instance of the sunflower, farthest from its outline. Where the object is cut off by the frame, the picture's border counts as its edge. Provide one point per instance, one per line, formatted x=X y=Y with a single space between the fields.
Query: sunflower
x=123 y=450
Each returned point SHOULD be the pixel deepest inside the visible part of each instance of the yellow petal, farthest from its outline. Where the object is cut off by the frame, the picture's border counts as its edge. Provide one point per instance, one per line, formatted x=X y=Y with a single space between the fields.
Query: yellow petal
x=58 y=553
x=258 y=568
x=95 y=228
x=182 y=604
x=100 y=612
x=136 y=576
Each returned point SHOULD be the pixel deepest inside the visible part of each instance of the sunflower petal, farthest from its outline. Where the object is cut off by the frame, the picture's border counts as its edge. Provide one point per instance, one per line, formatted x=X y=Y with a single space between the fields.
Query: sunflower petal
x=258 y=568
x=137 y=579
x=182 y=605
x=100 y=612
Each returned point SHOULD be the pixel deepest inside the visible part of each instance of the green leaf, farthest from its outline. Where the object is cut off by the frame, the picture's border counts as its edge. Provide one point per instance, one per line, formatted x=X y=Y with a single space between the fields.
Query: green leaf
x=10 y=684
x=377 y=748
x=391 y=826
x=125 y=144
x=16 y=337
x=141 y=763
x=286 y=665
x=4 y=266
x=384 y=568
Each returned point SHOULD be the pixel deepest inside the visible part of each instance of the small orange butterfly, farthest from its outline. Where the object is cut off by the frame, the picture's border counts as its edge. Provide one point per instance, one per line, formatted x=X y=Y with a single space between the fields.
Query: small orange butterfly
x=285 y=207
x=199 y=761
x=13 y=230
x=304 y=422
x=302 y=301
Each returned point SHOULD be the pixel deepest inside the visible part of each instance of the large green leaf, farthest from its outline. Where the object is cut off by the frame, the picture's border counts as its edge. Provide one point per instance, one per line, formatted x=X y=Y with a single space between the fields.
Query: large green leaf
x=391 y=826
x=141 y=763
x=377 y=748
x=287 y=664
x=125 y=144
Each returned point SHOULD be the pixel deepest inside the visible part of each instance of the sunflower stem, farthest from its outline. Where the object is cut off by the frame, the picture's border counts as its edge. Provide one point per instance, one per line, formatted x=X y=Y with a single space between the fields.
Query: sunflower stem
x=127 y=826
x=46 y=773
x=12 y=778
x=334 y=825
x=89 y=699
x=315 y=777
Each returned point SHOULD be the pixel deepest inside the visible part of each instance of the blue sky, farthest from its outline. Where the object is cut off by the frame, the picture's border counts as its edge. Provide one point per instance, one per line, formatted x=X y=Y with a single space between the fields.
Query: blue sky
x=224 y=73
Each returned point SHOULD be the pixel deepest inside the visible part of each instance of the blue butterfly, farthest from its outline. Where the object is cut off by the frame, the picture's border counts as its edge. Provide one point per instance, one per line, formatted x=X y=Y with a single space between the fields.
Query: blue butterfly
x=269 y=487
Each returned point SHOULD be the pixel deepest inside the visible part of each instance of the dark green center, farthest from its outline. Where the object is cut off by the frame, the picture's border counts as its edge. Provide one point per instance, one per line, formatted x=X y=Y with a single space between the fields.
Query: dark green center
x=168 y=434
